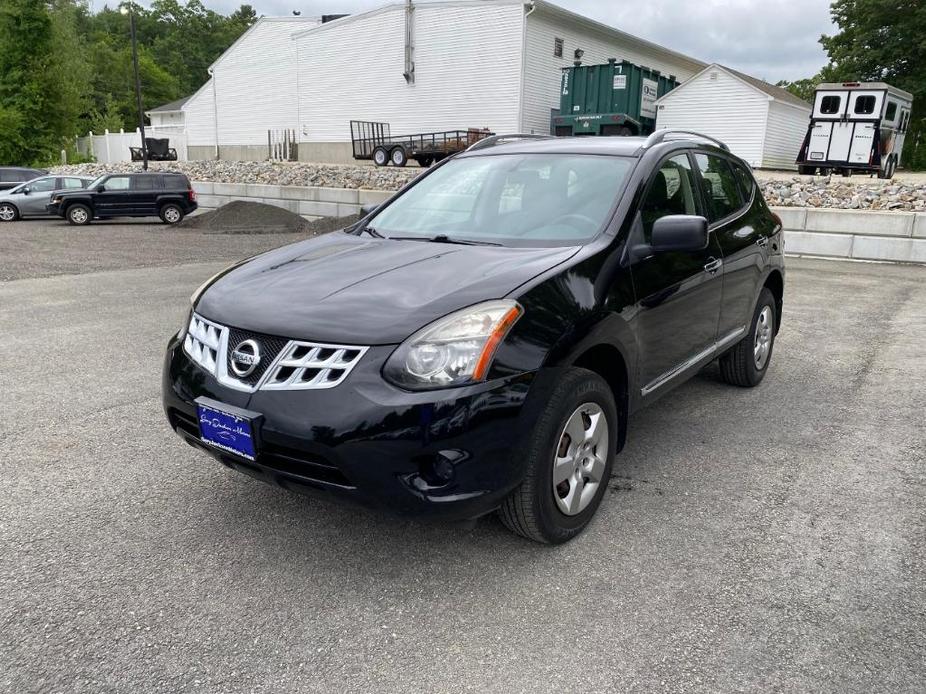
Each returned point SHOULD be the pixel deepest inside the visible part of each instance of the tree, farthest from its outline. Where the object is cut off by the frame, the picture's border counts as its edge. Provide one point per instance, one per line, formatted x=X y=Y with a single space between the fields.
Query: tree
x=884 y=40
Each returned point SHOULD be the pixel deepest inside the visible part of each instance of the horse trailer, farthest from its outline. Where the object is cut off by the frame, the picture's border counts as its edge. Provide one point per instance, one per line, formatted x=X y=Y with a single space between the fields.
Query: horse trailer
x=856 y=127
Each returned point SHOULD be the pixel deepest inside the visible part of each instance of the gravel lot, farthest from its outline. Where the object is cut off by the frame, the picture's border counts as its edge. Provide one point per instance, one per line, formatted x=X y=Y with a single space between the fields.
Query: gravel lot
x=753 y=540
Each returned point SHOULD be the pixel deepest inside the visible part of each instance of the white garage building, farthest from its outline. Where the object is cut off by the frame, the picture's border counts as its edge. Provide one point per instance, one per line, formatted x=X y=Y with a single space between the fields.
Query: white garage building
x=439 y=66
x=763 y=124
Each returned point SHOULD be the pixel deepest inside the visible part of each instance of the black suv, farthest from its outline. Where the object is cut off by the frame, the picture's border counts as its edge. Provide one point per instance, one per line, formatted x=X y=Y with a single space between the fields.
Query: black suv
x=479 y=341
x=166 y=195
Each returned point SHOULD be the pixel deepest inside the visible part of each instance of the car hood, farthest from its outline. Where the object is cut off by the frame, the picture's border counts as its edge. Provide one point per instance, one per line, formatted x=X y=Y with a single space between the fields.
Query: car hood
x=342 y=288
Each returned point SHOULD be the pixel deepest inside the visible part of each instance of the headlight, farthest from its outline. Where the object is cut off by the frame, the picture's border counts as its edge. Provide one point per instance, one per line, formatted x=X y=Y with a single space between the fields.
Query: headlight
x=454 y=350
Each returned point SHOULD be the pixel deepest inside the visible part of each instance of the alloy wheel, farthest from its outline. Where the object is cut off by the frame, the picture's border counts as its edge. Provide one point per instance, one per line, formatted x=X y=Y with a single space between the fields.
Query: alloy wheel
x=7 y=213
x=78 y=215
x=171 y=215
x=763 y=338
x=580 y=459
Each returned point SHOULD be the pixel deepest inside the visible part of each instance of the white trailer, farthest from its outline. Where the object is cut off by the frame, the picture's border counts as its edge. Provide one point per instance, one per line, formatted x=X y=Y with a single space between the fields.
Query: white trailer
x=856 y=127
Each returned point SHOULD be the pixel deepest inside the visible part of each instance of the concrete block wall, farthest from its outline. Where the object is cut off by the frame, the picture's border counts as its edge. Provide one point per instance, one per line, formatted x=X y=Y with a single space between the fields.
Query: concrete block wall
x=856 y=234
x=311 y=203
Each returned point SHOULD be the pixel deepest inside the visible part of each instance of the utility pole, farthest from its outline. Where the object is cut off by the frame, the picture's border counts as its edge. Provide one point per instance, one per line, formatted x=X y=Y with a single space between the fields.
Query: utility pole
x=125 y=9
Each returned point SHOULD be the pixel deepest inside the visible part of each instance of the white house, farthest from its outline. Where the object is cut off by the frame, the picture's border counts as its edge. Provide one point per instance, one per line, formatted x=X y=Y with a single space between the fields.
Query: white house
x=762 y=123
x=167 y=118
x=251 y=90
x=470 y=63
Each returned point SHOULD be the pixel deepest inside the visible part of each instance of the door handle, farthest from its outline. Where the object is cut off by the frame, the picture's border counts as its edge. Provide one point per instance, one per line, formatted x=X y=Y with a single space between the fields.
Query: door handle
x=762 y=241
x=713 y=265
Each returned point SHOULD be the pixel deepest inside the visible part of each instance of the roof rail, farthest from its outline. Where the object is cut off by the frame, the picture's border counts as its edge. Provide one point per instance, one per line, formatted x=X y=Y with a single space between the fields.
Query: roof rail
x=661 y=136
x=494 y=140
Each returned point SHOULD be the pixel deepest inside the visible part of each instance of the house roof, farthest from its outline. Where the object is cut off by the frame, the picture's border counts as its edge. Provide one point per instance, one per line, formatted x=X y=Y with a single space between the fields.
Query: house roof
x=770 y=90
x=172 y=106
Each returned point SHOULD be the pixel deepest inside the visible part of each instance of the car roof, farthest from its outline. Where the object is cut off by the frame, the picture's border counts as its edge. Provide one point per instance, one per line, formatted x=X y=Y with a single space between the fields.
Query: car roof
x=616 y=145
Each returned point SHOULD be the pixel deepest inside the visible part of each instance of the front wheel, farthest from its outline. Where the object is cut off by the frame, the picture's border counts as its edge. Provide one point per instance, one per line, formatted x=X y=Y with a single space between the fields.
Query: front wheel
x=398 y=157
x=745 y=365
x=79 y=215
x=568 y=461
x=8 y=212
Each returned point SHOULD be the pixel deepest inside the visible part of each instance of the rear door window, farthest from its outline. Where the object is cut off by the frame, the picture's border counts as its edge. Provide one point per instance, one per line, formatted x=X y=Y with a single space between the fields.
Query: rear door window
x=73 y=183
x=720 y=187
x=865 y=105
x=148 y=183
x=746 y=181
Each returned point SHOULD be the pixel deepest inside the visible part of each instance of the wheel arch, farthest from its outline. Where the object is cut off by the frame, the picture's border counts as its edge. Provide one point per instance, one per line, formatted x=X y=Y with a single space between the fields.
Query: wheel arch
x=608 y=361
x=775 y=283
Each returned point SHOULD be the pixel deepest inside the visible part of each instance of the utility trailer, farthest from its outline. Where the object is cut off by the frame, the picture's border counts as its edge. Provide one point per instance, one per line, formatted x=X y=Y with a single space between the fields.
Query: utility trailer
x=373 y=140
x=158 y=150
x=856 y=127
x=618 y=98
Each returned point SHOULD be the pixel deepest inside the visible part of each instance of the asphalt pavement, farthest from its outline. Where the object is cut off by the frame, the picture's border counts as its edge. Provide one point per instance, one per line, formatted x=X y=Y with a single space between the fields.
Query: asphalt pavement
x=752 y=540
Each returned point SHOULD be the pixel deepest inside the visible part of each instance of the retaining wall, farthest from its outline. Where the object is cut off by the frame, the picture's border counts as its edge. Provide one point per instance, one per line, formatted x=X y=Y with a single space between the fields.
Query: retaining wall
x=861 y=235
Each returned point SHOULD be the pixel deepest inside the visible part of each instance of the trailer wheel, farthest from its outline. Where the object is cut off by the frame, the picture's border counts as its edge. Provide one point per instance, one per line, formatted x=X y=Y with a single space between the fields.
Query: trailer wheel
x=380 y=156
x=424 y=162
x=398 y=156
x=887 y=172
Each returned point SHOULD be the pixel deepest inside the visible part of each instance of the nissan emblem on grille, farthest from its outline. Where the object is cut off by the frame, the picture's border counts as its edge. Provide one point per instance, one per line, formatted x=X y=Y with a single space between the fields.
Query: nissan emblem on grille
x=245 y=358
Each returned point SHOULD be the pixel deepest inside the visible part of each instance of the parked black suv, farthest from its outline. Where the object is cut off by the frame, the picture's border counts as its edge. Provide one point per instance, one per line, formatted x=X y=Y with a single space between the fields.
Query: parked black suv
x=479 y=341
x=166 y=195
x=12 y=176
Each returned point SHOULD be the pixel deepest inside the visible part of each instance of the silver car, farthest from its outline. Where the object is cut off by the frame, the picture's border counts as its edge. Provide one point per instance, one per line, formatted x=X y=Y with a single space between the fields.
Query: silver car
x=29 y=199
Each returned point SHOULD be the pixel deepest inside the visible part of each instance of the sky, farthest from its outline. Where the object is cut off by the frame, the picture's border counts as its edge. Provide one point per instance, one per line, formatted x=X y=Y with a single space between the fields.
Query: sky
x=769 y=39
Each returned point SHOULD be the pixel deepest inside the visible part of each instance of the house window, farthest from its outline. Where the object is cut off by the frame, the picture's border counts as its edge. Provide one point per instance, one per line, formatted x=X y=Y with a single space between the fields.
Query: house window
x=864 y=105
x=829 y=105
x=557 y=48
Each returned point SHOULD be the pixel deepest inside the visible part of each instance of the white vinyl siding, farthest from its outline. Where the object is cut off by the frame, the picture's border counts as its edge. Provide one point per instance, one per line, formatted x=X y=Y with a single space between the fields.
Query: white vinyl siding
x=467 y=71
x=199 y=118
x=542 y=71
x=787 y=127
x=717 y=104
x=256 y=83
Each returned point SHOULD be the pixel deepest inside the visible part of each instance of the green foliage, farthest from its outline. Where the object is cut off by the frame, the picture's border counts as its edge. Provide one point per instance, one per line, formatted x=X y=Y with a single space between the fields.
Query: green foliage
x=802 y=89
x=65 y=70
x=884 y=40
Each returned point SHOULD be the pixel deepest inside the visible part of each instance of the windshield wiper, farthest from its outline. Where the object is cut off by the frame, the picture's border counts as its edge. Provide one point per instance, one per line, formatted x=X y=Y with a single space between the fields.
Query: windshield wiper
x=443 y=238
x=371 y=231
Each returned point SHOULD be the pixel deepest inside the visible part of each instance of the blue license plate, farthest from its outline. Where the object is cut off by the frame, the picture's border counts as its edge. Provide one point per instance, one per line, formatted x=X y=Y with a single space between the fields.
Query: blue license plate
x=226 y=431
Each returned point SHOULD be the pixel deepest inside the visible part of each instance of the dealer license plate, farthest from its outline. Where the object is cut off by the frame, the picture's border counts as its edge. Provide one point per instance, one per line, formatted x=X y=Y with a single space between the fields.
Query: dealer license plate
x=229 y=432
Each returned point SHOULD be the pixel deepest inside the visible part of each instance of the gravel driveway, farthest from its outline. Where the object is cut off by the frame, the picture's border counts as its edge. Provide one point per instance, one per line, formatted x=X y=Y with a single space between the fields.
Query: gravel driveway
x=753 y=540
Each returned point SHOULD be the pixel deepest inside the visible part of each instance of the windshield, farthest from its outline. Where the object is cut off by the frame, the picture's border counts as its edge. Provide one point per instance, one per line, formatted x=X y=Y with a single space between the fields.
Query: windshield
x=96 y=181
x=510 y=199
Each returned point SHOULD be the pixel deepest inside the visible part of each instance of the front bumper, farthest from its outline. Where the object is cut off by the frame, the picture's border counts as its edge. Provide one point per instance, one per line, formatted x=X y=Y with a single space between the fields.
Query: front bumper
x=54 y=210
x=452 y=453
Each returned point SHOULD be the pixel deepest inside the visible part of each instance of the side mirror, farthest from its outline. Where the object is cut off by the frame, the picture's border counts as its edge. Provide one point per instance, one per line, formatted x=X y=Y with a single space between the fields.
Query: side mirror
x=679 y=232
x=100 y=188
x=25 y=191
x=369 y=208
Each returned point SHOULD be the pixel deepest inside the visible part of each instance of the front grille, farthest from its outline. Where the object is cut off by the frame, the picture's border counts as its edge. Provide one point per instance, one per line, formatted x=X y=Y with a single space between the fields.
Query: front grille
x=283 y=365
x=269 y=347
x=306 y=365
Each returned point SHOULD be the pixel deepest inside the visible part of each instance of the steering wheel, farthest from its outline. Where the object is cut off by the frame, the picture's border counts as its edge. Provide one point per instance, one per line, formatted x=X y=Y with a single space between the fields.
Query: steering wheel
x=575 y=216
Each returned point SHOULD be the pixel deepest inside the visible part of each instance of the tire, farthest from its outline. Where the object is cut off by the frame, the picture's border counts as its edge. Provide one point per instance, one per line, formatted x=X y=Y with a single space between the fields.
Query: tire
x=8 y=212
x=171 y=213
x=745 y=365
x=78 y=214
x=424 y=162
x=537 y=509
x=398 y=156
x=381 y=156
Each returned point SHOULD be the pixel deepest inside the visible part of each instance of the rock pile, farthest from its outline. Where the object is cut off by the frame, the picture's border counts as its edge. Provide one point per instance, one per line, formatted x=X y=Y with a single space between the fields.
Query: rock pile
x=266 y=172
x=845 y=193
x=856 y=193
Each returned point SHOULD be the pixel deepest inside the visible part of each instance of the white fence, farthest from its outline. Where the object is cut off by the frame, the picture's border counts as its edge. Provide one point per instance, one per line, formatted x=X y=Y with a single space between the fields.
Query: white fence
x=114 y=147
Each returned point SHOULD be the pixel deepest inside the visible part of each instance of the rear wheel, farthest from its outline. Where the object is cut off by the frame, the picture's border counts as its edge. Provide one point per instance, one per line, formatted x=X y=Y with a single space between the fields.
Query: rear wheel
x=380 y=156
x=8 y=212
x=568 y=458
x=171 y=213
x=398 y=156
x=745 y=365
x=78 y=214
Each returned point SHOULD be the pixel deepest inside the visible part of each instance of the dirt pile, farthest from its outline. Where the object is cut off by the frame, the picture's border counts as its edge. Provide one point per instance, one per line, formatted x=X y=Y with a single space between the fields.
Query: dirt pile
x=243 y=217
